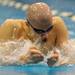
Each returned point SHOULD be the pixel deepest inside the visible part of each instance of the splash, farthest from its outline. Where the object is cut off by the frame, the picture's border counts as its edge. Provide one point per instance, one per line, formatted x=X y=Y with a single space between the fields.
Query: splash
x=11 y=51
x=66 y=54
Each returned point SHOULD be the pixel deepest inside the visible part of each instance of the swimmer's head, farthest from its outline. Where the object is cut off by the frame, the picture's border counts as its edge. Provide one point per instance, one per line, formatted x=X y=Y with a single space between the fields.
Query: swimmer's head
x=39 y=17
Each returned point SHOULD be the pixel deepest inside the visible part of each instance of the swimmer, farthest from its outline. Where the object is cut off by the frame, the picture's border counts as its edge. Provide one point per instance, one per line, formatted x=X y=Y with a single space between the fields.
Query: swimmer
x=40 y=23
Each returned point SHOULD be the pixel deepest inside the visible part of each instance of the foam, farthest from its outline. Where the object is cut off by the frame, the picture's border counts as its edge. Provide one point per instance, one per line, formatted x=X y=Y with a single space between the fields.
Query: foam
x=11 y=51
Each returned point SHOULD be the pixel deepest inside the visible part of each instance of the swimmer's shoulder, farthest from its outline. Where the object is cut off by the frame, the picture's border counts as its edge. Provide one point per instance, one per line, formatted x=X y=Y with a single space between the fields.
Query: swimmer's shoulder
x=60 y=29
x=59 y=23
x=15 y=22
x=7 y=28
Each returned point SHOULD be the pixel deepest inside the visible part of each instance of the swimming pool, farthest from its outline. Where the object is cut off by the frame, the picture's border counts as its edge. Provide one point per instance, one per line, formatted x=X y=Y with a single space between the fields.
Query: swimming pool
x=37 y=70
x=13 y=11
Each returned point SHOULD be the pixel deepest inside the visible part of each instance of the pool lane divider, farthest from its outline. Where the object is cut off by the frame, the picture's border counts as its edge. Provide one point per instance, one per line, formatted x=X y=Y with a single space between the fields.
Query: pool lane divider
x=23 y=7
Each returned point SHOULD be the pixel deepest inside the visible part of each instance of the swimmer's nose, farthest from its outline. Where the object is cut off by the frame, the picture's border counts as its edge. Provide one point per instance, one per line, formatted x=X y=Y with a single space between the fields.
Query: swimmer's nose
x=51 y=61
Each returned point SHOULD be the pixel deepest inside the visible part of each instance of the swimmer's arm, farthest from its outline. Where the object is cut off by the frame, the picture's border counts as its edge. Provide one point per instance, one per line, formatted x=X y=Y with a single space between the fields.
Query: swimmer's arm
x=60 y=30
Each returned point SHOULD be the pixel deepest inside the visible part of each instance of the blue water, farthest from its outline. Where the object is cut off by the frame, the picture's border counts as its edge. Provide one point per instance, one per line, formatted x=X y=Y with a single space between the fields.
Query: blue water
x=11 y=12
x=37 y=70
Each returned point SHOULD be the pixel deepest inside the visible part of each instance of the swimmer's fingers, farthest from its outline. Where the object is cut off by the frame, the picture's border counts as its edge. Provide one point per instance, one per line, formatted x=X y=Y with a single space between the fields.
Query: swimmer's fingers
x=36 y=56
x=36 y=51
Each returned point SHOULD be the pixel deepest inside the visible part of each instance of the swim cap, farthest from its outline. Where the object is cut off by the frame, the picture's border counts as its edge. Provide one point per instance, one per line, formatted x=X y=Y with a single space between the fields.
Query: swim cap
x=39 y=15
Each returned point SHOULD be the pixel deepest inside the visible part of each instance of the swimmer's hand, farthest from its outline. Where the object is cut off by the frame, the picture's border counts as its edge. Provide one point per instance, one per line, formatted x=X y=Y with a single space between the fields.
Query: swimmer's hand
x=35 y=55
x=51 y=61
x=56 y=59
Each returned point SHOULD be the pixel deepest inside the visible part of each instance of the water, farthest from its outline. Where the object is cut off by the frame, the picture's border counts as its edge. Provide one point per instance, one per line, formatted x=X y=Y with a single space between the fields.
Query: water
x=11 y=52
x=13 y=49
x=37 y=70
x=40 y=69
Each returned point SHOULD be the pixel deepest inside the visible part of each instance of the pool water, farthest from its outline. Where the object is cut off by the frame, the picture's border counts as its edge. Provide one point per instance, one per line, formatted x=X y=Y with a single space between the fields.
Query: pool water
x=10 y=11
x=37 y=70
